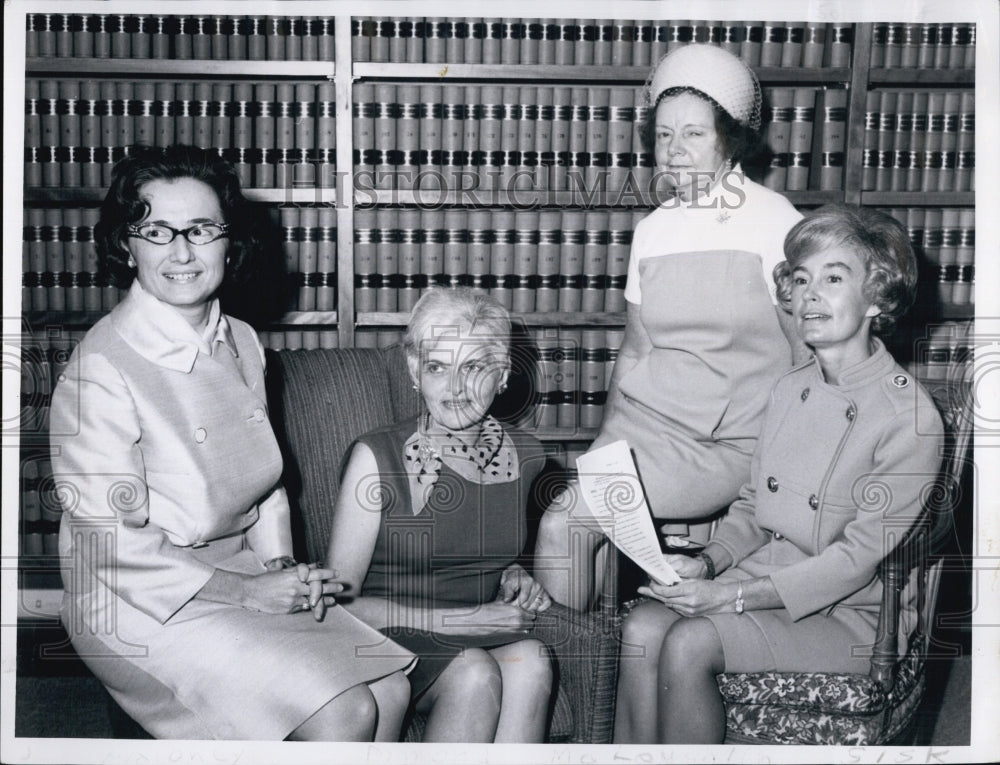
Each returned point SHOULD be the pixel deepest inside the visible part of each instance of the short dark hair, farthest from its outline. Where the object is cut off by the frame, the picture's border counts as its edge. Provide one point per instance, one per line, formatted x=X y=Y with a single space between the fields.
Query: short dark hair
x=878 y=239
x=123 y=206
x=739 y=142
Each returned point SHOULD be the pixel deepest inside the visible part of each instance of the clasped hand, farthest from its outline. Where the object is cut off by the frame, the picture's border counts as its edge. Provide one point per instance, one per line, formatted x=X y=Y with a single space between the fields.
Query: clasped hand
x=302 y=587
x=518 y=601
x=693 y=595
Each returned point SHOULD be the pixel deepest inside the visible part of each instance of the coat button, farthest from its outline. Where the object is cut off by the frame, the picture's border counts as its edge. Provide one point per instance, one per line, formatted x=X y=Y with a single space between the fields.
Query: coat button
x=851 y=412
x=778 y=535
x=772 y=483
x=805 y=394
x=813 y=501
x=258 y=415
x=200 y=435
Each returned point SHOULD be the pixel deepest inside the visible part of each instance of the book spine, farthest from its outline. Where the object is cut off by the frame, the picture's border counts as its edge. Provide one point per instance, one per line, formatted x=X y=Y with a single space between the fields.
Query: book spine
x=965 y=257
x=326 y=264
x=145 y=113
x=965 y=168
x=110 y=117
x=791 y=48
x=386 y=259
x=949 y=140
x=91 y=151
x=36 y=276
x=290 y=222
x=307 y=278
x=927 y=45
x=510 y=149
x=813 y=45
x=619 y=243
x=202 y=115
x=550 y=34
x=412 y=30
x=870 y=158
x=918 y=141
x=222 y=118
x=184 y=112
x=549 y=236
x=365 y=239
x=571 y=257
x=456 y=254
x=384 y=125
x=502 y=256
x=910 y=46
x=660 y=35
x=901 y=141
x=595 y=260
x=287 y=118
x=489 y=124
x=88 y=278
x=841 y=39
x=408 y=236
x=579 y=126
x=512 y=36
x=592 y=378
x=642 y=160
x=276 y=37
x=753 y=40
x=880 y=35
x=70 y=138
x=775 y=35
x=453 y=155
x=363 y=129
x=800 y=138
x=407 y=135
x=399 y=33
x=219 y=30
x=621 y=114
x=492 y=40
x=945 y=42
x=360 y=38
x=33 y=133
x=586 y=41
x=565 y=42
x=886 y=139
x=293 y=38
x=101 y=25
x=432 y=247
x=430 y=140
x=528 y=156
x=165 y=113
x=778 y=120
x=567 y=378
x=547 y=342
x=385 y=30
x=894 y=46
x=121 y=36
x=55 y=261
x=237 y=32
x=642 y=43
x=525 y=261
x=479 y=237
x=326 y=136
x=833 y=138
x=948 y=257
x=83 y=36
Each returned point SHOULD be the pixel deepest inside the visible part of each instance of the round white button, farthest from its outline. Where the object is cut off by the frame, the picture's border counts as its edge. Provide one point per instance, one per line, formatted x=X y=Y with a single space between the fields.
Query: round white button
x=200 y=435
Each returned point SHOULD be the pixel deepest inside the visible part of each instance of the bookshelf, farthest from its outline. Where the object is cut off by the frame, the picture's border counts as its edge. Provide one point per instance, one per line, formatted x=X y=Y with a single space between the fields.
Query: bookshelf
x=540 y=113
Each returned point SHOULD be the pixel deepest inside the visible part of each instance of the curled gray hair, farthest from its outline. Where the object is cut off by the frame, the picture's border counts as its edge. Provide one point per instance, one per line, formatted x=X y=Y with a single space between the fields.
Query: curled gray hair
x=446 y=308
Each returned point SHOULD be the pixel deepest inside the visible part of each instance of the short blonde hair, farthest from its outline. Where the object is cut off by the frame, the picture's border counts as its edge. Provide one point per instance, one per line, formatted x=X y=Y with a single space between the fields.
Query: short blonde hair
x=444 y=307
x=878 y=239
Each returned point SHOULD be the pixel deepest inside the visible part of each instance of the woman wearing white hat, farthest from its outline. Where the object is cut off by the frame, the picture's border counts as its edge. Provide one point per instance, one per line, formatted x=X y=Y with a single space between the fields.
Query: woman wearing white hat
x=705 y=339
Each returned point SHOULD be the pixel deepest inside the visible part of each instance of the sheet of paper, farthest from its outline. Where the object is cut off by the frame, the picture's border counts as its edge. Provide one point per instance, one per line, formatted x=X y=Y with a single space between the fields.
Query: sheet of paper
x=610 y=486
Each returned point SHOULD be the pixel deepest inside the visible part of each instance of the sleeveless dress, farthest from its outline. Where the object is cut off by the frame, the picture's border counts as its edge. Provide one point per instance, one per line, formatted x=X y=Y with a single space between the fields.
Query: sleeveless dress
x=452 y=553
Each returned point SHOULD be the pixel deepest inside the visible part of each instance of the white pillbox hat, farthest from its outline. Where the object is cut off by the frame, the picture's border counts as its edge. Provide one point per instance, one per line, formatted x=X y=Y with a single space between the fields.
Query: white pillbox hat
x=716 y=73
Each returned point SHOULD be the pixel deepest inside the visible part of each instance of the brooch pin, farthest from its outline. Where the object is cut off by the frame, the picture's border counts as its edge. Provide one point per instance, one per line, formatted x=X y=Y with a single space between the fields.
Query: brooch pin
x=723 y=216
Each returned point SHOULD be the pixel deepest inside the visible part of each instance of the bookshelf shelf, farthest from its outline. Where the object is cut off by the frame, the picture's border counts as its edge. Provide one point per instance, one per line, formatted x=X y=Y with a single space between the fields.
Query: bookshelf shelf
x=553 y=319
x=548 y=73
x=531 y=199
x=160 y=68
x=918 y=198
x=907 y=76
x=95 y=195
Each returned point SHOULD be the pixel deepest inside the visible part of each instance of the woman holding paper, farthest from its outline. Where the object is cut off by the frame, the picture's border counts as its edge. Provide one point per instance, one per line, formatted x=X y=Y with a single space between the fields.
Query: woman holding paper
x=704 y=338
x=788 y=581
x=180 y=591
x=429 y=524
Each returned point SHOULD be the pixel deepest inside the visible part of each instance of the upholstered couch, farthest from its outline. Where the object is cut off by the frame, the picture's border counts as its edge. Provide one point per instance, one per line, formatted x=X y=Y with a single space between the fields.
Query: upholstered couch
x=320 y=401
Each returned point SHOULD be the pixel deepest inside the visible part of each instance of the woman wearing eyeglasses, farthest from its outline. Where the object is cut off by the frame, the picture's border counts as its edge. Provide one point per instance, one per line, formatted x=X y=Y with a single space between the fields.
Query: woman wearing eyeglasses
x=181 y=594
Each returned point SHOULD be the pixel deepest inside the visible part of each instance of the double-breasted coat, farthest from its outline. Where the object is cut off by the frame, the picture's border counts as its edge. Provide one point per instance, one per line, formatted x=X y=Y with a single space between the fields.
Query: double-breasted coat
x=166 y=467
x=837 y=478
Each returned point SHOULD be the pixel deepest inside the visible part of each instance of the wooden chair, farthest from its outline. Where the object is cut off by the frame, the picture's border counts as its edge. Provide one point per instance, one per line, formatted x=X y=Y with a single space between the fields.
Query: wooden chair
x=877 y=708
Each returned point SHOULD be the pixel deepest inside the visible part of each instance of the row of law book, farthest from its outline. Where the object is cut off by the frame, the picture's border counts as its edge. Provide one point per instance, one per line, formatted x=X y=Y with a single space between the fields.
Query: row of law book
x=60 y=270
x=945 y=240
x=923 y=140
x=156 y=36
x=277 y=134
x=432 y=137
x=806 y=129
x=593 y=42
x=531 y=261
x=944 y=45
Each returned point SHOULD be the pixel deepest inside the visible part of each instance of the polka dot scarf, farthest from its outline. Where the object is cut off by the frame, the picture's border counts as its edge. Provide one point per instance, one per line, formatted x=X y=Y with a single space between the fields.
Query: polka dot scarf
x=492 y=459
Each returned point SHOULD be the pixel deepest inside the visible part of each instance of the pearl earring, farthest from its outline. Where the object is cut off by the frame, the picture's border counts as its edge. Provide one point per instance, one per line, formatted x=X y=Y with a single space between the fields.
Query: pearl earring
x=131 y=262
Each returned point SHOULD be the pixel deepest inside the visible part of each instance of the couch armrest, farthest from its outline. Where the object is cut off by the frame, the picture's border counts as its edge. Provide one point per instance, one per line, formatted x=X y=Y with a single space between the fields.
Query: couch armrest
x=585 y=651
